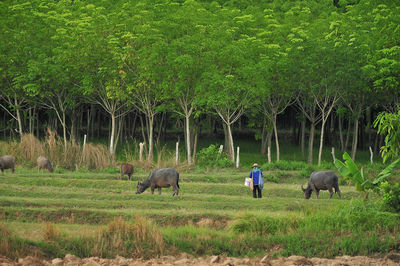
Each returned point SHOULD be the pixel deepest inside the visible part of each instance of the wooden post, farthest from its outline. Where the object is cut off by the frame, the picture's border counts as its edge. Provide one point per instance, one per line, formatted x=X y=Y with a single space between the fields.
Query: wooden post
x=141 y=151
x=177 y=153
x=372 y=155
x=333 y=154
x=237 y=157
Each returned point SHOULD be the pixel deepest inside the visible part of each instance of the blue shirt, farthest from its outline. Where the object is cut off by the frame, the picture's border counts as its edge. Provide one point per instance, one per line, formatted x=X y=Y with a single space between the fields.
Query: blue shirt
x=255 y=176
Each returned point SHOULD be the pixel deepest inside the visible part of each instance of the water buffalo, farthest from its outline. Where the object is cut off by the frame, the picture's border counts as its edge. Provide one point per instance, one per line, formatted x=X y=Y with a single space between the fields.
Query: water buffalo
x=7 y=162
x=321 y=180
x=160 y=178
x=126 y=169
x=44 y=163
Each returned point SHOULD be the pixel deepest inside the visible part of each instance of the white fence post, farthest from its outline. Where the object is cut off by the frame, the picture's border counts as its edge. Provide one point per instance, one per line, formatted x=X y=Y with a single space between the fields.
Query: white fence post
x=141 y=151
x=237 y=157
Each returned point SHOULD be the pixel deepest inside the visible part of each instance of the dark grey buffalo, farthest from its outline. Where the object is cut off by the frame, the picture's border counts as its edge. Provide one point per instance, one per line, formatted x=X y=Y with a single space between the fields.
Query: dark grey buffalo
x=160 y=178
x=7 y=162
x=44 y=163
x=321 y=180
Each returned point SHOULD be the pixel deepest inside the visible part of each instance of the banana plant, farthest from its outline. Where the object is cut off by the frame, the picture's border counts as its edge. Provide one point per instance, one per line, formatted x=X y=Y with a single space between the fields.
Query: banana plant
x=350 y=171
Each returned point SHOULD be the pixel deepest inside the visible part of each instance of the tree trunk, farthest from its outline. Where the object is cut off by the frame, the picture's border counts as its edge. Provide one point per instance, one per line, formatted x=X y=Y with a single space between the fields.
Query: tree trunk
x=341 y=133
x=188 y=146
x=195 y=146
x=303 y=138
x=64 y=130
x=19 y=122
x=269 y=142
x=346 y=143
x=112 y=135
x=150 y=137
x=321 y=141
x=230 y=142
x=355 y=139
x=276 y=138
x=311 y=143
x=264 y=137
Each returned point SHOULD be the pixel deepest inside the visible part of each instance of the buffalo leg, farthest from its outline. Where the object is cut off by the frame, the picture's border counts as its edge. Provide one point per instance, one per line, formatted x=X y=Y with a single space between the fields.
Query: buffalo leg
x=159 y=191
x=317 y=193
x=152 y=190
x=129 y=176
x=337 y=190
x=330 y=192
x=175 y=191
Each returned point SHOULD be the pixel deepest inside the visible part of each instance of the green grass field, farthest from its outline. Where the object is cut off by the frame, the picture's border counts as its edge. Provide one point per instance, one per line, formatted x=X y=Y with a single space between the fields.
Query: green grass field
x=94 y=213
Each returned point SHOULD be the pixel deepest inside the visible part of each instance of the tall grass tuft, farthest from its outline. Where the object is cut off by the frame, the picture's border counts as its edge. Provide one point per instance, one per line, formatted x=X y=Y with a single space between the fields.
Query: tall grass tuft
x=26 y=151
x=141 y=239
x=95 y=157
x=51 y=233
x=30 y=148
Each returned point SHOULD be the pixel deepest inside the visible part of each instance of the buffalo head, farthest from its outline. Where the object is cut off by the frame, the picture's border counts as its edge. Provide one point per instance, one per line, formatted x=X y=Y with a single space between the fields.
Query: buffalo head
x=140 y=188
x=307 y=191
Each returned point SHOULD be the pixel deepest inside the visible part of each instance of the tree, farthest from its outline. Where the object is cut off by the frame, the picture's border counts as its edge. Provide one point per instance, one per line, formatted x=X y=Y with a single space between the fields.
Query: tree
x=389 y=124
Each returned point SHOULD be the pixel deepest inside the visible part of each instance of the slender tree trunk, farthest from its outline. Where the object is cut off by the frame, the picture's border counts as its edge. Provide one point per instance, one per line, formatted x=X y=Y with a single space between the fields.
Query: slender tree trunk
x=112 y=135
x=276 y=138
x=142 y=128
x=231 y=147
x=19 y=122
x=73 y=125
x=269 y=143
x=355 y=139
x=264 y=137
x=64 y=130
x=303 y=138
x=346 y=144
x=321 y=141
x=150 y=136
x=311 y=142
x=195 y=147
x=188 y=146
x=341 y=133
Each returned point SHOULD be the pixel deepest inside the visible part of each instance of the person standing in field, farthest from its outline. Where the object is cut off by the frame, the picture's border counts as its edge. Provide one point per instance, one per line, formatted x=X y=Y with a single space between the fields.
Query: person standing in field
x=257 y=177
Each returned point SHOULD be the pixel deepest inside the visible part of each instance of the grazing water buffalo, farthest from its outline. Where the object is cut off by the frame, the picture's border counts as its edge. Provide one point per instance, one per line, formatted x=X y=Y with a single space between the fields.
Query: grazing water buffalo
x=7 y=162
x=321 y=181
x=160 y=178
x=44 y=163
x=126 y=169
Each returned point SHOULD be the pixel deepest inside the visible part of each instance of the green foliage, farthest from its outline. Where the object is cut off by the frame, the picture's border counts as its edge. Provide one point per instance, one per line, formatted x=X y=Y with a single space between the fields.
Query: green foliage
x=391 y=196
x=389 y=124
x=211 y=157
x=351 y=172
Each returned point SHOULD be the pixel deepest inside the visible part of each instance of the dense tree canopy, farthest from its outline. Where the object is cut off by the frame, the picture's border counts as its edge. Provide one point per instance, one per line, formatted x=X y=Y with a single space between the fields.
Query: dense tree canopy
x=222 y=60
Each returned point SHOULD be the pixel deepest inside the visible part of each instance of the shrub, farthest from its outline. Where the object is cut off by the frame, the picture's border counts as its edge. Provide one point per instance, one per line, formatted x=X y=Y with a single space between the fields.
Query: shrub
x=211 y=157
x=391 y=196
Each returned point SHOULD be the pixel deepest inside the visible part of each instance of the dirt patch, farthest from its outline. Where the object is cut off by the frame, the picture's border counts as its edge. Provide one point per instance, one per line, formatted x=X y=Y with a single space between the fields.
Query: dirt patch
x=185 y=259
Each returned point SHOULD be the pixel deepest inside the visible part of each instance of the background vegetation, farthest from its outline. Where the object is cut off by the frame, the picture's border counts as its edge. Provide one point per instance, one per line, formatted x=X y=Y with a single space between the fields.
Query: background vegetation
x=156 y=71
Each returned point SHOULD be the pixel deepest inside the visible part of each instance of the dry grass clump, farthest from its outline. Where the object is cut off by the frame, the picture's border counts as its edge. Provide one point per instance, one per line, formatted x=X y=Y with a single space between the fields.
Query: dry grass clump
x=72 y=156
x=95 y=156
x=141 y=239
x=30 y=148
x=51 y=233
x=5 y=242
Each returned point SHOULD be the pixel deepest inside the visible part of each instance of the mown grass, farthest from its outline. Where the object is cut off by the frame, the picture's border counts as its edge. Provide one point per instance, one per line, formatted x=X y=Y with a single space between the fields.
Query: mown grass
x=96 y=214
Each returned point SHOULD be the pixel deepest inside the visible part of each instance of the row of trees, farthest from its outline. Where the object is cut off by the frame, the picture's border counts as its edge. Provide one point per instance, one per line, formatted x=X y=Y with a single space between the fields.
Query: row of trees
x=197 y=58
